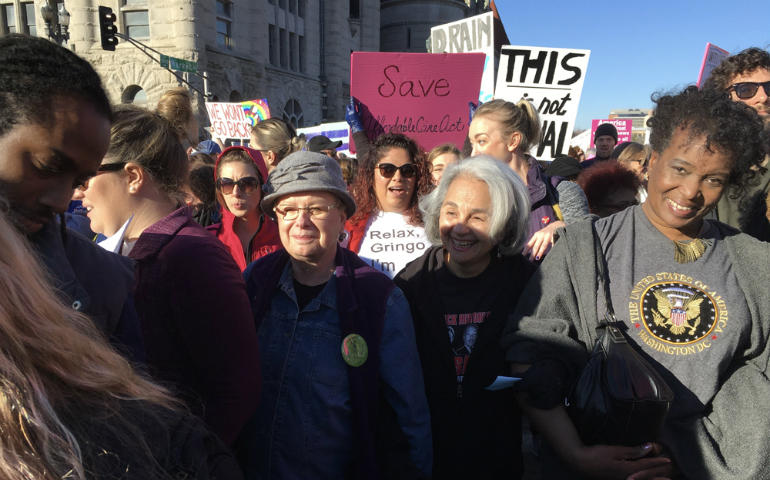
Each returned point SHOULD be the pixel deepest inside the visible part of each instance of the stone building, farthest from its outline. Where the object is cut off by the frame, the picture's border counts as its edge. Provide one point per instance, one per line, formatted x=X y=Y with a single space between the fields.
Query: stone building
x=295 y=53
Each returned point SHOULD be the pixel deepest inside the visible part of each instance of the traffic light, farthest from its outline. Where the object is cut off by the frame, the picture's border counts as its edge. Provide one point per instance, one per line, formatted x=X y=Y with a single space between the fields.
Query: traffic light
x=107 y=28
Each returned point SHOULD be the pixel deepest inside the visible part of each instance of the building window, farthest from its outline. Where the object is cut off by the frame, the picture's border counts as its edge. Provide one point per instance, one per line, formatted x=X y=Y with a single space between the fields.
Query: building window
x=293 y=51
x=292 y=6
x=9 y=18
x=28 y=11
x=282 y=4
x=301 y=8
x=282 y=47
x=137 y=23
x=135 y=2
x=271 y=2
x=302 y=54
x=134 y=94
x=292 y=113
x=355 y=8
x=271 y=44
x=224 y=23
x=409 y=37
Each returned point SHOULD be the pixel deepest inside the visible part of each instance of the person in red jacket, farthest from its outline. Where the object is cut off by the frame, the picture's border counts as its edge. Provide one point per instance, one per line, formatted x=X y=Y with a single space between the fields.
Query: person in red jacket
x=247 y=233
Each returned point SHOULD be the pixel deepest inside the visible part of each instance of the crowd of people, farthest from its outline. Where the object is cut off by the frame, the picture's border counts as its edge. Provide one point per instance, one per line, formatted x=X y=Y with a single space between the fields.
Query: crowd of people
x=283 y=311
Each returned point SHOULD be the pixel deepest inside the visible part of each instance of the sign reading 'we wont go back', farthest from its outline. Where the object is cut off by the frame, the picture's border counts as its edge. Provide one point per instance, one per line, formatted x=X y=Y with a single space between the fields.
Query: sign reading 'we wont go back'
x=422 y=95
x=550 y=78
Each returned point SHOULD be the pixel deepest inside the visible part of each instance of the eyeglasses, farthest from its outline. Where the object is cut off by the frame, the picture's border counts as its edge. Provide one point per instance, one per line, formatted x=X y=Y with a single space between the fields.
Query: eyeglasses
x=245 y=184
x=106 y=168
x=746 y=90
x=318 y=211
x=388 y=170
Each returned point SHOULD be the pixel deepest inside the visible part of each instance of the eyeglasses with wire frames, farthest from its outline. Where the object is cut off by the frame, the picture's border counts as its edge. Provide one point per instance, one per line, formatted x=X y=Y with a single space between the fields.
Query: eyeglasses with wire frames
x=104 y=168
x=318 y=211
x=746 y=90
x=388 y=170
x=245 y=185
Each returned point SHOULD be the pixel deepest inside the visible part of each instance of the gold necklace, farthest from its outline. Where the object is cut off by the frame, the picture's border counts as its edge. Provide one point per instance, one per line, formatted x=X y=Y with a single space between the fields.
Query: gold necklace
x=686 y=252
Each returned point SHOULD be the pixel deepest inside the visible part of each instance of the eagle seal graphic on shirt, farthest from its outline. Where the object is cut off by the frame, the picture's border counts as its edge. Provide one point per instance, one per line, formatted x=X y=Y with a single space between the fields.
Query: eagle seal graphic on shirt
x=678 y=313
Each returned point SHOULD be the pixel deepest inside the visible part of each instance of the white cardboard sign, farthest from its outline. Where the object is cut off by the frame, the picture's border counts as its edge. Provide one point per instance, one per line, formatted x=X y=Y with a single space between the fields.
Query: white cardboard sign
x=475 y=34
x=550 y=78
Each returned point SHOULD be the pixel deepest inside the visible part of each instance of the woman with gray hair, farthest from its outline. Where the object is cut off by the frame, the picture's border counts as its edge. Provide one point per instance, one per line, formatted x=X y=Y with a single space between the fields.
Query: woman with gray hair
x=467 y=284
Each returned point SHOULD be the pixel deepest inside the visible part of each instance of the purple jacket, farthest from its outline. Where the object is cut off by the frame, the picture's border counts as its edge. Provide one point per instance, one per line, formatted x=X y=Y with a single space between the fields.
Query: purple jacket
x=196 y=321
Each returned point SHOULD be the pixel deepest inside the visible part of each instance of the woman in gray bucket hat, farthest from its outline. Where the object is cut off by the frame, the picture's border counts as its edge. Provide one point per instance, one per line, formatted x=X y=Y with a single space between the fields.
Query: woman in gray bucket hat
x=335 y=337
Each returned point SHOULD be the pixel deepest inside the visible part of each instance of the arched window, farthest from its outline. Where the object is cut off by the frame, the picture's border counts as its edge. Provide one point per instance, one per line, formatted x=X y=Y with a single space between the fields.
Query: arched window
x=292 y=113
x=134 y=94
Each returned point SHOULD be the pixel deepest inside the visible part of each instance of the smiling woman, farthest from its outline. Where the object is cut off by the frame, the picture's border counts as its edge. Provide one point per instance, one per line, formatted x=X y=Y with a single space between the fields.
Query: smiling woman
x=697 y=302
x=461 y=291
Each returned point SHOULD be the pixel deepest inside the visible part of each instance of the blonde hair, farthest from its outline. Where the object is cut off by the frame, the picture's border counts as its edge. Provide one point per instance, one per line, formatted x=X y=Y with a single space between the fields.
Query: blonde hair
x=175 y=106
x=277 y=136
x=442 y=149
x=54 y=362
x=634 y=151
x=514 y=117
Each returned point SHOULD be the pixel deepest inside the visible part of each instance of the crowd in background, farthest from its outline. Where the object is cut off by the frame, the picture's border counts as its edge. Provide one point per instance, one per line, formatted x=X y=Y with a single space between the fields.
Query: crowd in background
x=281 y=311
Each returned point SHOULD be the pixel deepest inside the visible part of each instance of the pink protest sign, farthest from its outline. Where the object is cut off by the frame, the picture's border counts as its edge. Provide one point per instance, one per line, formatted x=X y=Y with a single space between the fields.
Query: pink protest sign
x=624 y=127
x=422 y=95
x=234 y=120
x=711 y=60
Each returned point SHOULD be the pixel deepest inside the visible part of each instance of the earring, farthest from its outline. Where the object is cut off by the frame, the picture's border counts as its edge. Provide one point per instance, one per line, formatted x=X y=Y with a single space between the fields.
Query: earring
x=646 y=177
x=342 y=236
x=132 y=189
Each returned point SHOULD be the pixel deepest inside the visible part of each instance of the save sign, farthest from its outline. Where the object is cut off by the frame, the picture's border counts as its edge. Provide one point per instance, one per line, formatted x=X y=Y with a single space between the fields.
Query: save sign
x=550 y=78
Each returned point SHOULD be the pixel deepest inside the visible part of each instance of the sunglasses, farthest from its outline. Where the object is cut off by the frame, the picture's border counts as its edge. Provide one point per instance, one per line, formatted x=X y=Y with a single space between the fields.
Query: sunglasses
x=746 y=90
x=245 y=184
x=388 y=170
x=107 y=167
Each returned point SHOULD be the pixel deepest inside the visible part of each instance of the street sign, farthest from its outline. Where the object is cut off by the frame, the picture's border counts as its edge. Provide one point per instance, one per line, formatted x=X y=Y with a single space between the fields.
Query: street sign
x=178 y=64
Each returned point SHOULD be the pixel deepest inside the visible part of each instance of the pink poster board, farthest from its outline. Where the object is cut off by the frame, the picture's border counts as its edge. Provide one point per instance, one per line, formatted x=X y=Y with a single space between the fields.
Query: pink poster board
x=422 y=95
x=711 y=59
x=624 y=127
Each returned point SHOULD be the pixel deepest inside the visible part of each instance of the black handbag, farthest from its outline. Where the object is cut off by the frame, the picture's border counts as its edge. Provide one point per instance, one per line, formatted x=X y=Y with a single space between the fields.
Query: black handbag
x=619 y=398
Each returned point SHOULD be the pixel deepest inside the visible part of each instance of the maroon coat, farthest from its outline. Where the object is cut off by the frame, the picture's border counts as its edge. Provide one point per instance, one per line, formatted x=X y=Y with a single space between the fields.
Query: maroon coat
x=196 y=322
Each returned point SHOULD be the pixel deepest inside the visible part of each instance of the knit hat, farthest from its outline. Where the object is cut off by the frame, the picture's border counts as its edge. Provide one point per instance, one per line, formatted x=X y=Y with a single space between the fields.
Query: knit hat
x=305 y=171
x=606 y=129
x=563 y=167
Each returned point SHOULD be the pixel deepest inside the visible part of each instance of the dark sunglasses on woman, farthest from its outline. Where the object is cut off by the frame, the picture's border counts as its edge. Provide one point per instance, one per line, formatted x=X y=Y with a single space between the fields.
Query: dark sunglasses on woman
x=387 y=170
x=245 y=184
x=746 y=90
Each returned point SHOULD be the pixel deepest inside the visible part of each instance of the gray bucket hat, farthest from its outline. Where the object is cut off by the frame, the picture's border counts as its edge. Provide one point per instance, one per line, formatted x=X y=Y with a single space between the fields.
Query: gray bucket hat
x=306 y=172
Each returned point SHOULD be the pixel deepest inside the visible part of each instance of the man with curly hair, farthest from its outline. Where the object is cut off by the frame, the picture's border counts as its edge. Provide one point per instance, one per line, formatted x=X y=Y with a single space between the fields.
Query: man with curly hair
x=746 y=77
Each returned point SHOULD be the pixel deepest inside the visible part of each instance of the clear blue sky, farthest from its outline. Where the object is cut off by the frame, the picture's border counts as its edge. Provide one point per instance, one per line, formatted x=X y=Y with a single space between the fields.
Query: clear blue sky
x=638 y=47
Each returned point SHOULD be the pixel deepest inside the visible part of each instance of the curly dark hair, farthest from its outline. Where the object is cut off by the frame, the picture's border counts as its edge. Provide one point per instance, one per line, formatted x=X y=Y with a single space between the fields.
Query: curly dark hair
x=745 y=62
x=34 y=71
x=363 y=187
x=731 y=128
x=595 y=180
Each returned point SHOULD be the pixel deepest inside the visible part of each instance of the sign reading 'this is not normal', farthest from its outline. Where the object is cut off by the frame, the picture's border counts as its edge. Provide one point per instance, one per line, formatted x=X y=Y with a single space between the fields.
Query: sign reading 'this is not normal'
x=550 y=78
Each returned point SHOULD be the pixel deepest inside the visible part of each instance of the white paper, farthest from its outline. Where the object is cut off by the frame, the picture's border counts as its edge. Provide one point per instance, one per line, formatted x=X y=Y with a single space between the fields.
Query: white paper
x=113 y=243
x=503 y=382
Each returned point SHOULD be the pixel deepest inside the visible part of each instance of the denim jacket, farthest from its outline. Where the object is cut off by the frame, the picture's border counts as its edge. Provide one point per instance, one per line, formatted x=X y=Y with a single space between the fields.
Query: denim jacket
x=302 y=428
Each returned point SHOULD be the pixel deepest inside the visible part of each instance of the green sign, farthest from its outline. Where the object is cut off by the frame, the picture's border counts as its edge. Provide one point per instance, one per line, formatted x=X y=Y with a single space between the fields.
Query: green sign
x=178 y=64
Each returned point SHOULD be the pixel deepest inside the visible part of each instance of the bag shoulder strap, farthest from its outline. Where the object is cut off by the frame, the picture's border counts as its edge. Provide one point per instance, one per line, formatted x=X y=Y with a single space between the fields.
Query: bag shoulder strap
x=601 y=277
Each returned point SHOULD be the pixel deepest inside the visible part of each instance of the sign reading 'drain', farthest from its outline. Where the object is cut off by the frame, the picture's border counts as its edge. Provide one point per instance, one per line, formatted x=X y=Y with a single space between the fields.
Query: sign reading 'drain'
x=550 y=78
x=475 y=34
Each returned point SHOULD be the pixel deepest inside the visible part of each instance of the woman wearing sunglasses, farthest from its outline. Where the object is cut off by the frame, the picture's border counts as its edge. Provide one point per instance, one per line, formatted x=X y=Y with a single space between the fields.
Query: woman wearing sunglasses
x=189 y=293
x=387 y=229
x=247 y=233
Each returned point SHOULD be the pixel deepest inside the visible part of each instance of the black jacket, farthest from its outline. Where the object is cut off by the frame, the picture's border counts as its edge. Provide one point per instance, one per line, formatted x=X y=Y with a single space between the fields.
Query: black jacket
x=476 y=432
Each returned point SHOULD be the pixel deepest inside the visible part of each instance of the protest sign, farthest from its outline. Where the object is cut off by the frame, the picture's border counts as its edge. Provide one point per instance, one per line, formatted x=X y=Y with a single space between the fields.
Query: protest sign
x=337 y=131
x=422 y=95
x=233 y=120
x=550 y=78
x=624 y=126
x=475 y=34
x=711 y=60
